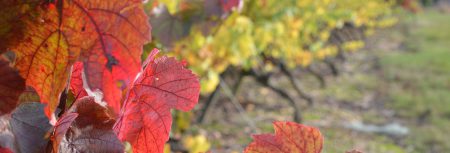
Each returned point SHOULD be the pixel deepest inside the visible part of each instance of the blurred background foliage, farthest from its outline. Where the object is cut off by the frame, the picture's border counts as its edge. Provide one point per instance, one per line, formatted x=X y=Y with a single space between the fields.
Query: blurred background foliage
x=254 y=34
x=372 y=75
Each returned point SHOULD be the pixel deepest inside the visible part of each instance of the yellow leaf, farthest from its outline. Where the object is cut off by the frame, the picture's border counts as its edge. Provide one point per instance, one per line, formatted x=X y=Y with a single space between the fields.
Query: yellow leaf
x=196 y=144
x=167 y=148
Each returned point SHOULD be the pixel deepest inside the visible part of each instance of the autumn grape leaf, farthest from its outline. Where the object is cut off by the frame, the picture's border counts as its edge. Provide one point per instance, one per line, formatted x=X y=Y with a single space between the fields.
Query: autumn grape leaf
x=30 y=125
x=48 y=48
x=289 y=137
x=146 y=119
x=91 y=131
x=106 y=35
x=11 y=86
x=112 y=62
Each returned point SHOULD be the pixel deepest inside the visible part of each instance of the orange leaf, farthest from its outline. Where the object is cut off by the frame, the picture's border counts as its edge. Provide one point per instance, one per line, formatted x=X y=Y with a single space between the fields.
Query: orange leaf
x=289 y=137
x=105 y=33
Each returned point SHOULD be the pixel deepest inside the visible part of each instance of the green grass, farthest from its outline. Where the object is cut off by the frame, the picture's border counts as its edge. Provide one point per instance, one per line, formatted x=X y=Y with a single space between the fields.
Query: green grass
x=416 y=79
x=351 y=88
x=419 y=81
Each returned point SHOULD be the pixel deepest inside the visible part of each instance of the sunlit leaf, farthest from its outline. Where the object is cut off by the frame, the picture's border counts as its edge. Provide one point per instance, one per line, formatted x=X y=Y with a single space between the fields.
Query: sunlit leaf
x=48 y=48
x=146 y=119
x=107 y=34
x=289 y=137
x=111 y=63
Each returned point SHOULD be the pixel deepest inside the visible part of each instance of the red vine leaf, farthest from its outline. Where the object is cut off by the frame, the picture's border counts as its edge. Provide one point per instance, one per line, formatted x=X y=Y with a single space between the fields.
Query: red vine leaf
x=289 y=137
x=146 y=119
x=111 y=63
x=11 y=86
x=76 y=80
x=108 y=34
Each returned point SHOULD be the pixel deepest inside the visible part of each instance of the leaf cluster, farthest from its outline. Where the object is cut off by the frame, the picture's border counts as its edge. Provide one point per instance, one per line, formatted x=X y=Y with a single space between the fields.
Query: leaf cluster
x=72 y=79
x=258 y=34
